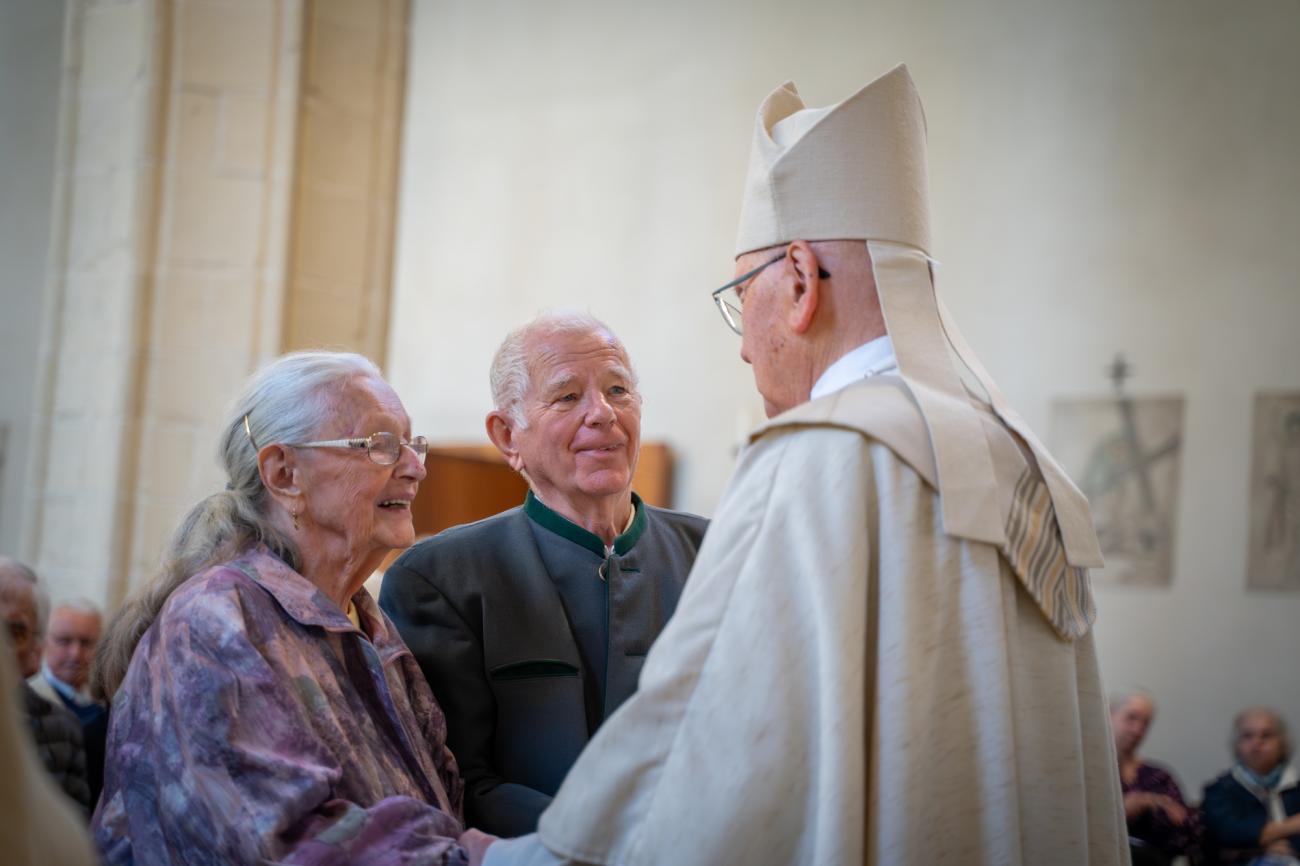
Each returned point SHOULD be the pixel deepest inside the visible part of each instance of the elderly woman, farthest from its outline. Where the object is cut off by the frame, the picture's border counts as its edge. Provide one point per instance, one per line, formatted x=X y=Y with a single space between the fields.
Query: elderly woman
x=1161 y=826
x=1252 y=812
x=264 y=709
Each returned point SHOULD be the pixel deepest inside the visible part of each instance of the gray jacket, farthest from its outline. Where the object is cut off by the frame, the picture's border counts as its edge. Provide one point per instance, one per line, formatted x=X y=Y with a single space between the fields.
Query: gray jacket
x=489 y=627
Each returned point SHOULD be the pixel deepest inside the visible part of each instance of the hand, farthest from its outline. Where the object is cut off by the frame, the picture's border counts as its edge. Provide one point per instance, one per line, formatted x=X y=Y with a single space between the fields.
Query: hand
x=475 y=843
x=1280 y=848
x=1176 y=812
x=1137 y=802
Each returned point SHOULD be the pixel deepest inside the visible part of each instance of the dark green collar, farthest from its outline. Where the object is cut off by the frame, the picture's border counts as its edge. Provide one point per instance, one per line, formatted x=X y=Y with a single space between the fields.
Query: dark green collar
x=566 y=528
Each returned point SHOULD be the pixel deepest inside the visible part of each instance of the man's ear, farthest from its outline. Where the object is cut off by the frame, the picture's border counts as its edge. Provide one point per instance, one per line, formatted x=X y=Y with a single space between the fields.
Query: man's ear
x=278 y=467
x=806 y=288
x=501 y=430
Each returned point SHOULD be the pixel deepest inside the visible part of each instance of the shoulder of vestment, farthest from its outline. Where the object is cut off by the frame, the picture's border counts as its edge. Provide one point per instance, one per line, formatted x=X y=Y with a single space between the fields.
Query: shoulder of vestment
x=879 y=408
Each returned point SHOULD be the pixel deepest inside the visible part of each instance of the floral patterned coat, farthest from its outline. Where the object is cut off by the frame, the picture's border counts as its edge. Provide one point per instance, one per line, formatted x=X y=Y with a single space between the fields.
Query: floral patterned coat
x=256 y=723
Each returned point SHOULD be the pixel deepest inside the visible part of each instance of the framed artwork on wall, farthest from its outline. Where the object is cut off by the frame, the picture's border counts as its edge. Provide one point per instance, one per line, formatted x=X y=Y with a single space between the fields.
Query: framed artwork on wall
x=1273 y=560
x=1124 y=453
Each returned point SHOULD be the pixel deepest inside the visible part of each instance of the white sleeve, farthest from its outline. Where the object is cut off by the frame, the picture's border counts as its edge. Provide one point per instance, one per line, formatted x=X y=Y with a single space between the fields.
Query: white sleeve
x=523 y=851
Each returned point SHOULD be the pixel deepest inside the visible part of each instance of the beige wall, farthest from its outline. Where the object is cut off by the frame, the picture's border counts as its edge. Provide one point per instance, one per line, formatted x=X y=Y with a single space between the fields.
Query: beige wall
x=1106 y=176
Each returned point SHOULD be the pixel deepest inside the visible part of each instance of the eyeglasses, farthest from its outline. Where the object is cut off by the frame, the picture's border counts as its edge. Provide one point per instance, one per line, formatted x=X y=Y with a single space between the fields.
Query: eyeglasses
x=384 y=449
x=731 y=301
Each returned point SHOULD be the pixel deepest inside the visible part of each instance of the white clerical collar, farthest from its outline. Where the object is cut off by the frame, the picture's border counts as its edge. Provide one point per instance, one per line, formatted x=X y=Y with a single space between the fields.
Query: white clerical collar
x=869 y=359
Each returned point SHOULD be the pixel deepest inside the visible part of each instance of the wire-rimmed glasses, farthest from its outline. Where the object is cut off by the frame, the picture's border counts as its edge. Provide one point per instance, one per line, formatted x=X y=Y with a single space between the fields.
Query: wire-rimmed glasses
x=731 y=300
x=384 y=449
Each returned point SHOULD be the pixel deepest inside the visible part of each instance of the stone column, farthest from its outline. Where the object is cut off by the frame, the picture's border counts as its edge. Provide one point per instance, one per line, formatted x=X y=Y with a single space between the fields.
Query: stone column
x=344 y=200
x=183 y=185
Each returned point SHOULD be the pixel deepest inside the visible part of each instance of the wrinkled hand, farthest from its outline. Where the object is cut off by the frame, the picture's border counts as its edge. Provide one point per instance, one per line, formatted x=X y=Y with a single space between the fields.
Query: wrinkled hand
x=475 y=843
x=1137 y=802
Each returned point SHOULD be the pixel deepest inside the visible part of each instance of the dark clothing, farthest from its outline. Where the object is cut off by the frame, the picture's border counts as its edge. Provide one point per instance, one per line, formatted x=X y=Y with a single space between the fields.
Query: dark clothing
x=94 y=731
x=58 y=741
x=1235 y=816
x=531 y=637
x=1153 y=828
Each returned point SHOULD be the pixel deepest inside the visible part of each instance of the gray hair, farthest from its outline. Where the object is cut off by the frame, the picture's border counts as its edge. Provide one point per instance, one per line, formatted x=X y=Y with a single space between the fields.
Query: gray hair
x=509 y=376
x=289 y=400
x=79 y=605
x=8 y=565
x=15 y=588
x=1120 y=698
x=1283 y=733
x=13 y=570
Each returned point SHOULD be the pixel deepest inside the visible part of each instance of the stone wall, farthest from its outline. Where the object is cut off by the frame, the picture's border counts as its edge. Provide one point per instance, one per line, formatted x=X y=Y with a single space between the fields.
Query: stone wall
x=198 y=194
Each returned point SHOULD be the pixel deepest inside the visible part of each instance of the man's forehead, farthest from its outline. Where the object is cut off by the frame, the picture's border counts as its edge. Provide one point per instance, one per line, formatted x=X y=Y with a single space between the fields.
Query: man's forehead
x=566 y=356
x=73 y=617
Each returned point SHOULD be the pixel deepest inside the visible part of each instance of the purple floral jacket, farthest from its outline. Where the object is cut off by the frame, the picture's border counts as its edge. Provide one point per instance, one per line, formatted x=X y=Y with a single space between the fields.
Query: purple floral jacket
x=257 y=724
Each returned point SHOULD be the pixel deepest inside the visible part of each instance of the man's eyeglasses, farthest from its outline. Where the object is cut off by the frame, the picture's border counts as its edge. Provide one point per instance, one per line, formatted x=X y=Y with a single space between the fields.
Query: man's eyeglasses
x=730 y=300
x=382 y=448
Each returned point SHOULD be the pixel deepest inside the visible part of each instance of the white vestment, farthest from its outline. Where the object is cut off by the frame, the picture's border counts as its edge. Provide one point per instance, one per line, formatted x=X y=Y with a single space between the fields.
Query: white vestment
x=844 y=683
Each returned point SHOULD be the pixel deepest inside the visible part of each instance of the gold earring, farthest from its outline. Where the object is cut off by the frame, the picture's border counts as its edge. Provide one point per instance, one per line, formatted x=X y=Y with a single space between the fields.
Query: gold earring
x=295 y=519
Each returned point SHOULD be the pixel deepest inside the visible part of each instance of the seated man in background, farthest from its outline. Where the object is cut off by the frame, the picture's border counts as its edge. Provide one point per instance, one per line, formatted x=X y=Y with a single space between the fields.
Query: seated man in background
x=70 y=639
x=532 y=625
x=1160 y=825
x=55 y=730
x=1252 y=812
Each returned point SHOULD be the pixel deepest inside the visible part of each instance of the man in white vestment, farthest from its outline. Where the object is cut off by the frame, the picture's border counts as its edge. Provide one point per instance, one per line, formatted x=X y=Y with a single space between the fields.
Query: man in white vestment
x=884 y=653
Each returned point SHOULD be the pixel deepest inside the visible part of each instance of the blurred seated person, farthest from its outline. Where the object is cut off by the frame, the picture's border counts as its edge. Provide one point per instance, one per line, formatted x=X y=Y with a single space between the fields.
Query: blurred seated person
x=71 y=636
x=1252 y=812
x=264 y=709
x=39 y=826
x=1161 y=826
x=55 y=731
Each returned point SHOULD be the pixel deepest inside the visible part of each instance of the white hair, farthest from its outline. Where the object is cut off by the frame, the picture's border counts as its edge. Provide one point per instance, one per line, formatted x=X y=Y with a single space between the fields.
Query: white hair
x=1120 y=698
x=509 y=376
x=289 y=400
x=79 y=605
x=1279 y=723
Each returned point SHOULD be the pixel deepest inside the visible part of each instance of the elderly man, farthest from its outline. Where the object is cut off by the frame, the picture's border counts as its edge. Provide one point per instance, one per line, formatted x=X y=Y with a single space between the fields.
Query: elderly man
x=55 y=730
x=532 y=625
x=884 y=653
x=1161 y=826
x=70 y=639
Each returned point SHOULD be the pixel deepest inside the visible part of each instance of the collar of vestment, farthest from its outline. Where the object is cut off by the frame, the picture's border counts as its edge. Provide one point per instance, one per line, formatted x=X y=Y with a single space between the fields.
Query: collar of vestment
x=303 y=600
x=870 y=359
x=552 y=520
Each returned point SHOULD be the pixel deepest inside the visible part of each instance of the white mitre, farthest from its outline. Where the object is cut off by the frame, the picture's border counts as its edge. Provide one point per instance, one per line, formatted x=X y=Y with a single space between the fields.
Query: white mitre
x=857 y=171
